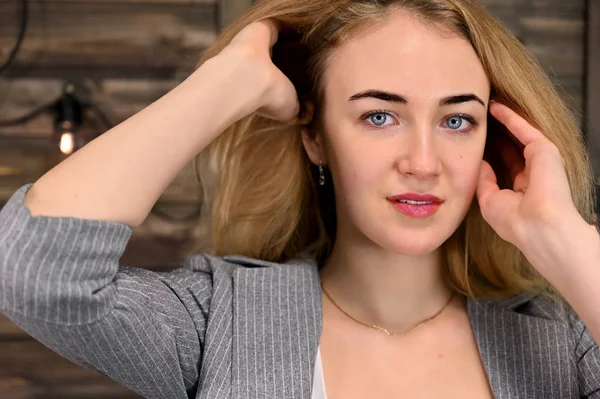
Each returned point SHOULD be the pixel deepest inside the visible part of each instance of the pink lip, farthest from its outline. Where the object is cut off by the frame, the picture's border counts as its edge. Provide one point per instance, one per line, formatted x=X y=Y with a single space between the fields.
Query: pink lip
x=416 y=211
x=415 y=197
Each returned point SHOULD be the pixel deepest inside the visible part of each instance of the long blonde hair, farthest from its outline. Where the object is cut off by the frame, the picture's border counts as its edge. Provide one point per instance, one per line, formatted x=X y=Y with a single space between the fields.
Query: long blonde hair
x=259 y=193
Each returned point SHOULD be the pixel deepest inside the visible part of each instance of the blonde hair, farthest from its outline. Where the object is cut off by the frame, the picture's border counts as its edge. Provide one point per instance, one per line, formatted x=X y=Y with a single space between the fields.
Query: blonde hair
x=260 y=195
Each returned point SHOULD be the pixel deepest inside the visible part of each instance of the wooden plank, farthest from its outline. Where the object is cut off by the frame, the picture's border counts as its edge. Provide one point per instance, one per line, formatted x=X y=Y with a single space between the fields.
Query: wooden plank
x=231 y=9
x=9 y=331
x=80 y=22
x=154 y=253
x=108 y=38
x=593 y=84
x=560 y=61
x=553 y=28
x=30 y=370
x=545 y=7
x=117 y=98
x=554 y=32
x=141 y=2
x=24 y=160
x=136 y=64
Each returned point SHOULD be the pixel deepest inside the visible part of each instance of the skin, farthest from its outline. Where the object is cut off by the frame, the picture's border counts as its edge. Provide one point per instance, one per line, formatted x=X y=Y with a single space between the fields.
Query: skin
x=381 y=270
x=419 y=146
x=414 y=144
x=385 y=267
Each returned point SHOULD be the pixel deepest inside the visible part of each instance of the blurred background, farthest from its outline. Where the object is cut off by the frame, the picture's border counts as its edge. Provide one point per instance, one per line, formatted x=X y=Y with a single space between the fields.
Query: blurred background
x=71 y=69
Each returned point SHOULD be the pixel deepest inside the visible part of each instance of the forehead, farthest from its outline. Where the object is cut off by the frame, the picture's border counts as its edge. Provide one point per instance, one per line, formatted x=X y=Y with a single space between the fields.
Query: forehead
x=408 y=57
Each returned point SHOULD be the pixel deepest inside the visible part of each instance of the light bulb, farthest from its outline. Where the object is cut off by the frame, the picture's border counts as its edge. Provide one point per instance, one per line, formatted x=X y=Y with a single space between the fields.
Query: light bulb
x=67 y=143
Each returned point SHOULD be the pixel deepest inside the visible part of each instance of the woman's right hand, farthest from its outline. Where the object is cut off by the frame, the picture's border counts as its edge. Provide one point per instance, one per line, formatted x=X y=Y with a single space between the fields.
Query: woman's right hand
x=250 y=51
x=239 y=81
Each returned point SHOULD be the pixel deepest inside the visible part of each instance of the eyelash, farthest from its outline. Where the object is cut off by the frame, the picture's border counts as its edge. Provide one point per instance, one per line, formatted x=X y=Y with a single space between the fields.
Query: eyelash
x=466 y=117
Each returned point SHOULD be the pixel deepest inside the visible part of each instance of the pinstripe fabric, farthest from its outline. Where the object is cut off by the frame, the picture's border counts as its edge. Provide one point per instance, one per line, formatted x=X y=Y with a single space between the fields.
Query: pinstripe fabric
x=235 y=327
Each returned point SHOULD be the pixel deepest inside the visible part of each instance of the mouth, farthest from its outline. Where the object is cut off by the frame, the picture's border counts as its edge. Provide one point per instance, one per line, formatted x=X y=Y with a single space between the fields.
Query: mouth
x=416 y=206
x=414 y=202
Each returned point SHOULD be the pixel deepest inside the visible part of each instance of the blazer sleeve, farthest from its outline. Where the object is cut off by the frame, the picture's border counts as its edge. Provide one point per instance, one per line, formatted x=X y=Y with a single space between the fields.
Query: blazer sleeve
x=587 y=356
x=60 y=281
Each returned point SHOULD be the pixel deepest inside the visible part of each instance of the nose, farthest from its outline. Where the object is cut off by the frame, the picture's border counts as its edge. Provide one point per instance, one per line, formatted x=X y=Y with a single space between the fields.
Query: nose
x=420 y=157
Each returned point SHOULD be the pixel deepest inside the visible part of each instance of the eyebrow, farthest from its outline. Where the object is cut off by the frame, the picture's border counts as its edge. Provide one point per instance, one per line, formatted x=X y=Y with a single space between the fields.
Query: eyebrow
x=396 y=98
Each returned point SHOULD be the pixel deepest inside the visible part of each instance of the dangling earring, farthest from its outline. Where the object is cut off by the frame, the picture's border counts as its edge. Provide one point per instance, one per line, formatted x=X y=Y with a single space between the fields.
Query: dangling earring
x=321 y=174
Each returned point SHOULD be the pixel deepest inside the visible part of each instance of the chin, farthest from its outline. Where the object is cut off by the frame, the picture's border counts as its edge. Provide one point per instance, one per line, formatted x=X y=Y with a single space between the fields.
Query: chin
x=410 y=243
x=414 y=248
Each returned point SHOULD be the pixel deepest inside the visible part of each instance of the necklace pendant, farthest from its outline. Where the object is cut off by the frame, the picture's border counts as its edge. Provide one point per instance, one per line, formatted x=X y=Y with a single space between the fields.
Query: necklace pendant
x=383 y=330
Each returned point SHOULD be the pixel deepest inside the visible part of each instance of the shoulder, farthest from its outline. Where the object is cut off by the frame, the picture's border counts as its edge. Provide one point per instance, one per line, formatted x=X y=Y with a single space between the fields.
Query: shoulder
x=230 y=264
x=529 y=304
x=527 y=307
x=204 y=270
x=531 y=315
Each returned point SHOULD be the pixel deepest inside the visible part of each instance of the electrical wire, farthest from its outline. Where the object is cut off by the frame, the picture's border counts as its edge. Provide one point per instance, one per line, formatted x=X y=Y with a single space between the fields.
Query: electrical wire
x=20 y=36
x=28 y=116
x=102 y=117
x=51 y=108
x=192 y=217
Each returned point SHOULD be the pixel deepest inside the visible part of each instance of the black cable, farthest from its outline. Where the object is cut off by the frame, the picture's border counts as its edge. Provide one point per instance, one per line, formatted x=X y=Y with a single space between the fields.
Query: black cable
x=52 y=108
x=217 y=16
x=21 y=35
x=27 y=117
x=192 y=217
x=102 y=117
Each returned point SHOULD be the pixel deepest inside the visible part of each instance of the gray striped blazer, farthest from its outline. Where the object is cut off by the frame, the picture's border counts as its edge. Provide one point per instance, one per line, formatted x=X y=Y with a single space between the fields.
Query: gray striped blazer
x=235 y=327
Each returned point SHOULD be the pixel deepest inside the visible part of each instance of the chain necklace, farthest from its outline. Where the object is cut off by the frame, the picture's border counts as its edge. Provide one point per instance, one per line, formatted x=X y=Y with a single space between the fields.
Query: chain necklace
x=384 y=330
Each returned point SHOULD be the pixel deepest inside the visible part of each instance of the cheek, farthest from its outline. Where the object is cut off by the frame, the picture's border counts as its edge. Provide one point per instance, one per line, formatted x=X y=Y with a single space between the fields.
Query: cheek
x=463 y=171
x=357 y=166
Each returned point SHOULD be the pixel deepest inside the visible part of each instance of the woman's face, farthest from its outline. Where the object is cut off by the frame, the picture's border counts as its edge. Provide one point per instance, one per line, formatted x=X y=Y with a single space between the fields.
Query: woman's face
x=405 y=113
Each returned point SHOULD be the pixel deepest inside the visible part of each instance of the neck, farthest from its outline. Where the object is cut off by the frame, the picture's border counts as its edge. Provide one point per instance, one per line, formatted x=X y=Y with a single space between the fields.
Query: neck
x=392 y=291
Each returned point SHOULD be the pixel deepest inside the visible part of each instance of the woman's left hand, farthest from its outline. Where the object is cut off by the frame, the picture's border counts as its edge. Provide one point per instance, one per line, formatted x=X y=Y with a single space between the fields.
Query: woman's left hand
x=539 y=211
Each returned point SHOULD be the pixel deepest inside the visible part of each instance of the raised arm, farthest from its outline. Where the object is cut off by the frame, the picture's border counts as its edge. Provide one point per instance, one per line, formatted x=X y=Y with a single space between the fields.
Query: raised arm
x=61 y=239
x=120 y=175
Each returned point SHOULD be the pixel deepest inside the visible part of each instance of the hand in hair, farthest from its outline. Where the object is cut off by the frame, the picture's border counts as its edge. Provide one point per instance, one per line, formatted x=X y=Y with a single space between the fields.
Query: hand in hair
x=237 y=81
x=251 y=48
x=538 y=215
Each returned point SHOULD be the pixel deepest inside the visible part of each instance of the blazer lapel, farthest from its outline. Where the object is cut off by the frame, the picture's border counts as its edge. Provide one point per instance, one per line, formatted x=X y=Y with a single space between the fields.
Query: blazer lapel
x=524 y=355
x=277 y=325
x=277 y=318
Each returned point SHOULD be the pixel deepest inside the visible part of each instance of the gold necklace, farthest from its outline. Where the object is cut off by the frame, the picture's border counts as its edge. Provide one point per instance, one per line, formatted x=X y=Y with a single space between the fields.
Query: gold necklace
x=384 y=330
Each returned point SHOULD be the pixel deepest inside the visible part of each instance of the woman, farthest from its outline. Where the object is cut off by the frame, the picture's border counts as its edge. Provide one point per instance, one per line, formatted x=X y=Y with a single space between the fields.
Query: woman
x=354 y=168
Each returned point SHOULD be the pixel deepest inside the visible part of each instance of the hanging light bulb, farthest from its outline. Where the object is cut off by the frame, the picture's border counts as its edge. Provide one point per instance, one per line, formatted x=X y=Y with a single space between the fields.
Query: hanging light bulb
x=69 y=113
x=67 y=139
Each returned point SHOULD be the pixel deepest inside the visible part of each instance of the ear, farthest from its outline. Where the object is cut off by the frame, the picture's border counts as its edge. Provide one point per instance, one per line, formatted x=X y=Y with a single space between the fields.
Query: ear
x=312 y=137
x=313 y=145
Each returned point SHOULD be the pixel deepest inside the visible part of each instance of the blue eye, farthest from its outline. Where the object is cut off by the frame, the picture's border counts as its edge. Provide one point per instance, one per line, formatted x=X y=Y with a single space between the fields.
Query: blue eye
x=459 y=123
x=379 y=118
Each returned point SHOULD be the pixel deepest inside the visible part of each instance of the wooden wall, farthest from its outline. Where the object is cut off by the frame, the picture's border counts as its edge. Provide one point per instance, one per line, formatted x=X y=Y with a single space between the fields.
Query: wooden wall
x=592 y=88
x=124 y=54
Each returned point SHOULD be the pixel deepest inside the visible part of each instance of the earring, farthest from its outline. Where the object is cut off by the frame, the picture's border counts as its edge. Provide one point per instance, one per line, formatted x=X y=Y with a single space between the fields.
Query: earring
x=321 y=174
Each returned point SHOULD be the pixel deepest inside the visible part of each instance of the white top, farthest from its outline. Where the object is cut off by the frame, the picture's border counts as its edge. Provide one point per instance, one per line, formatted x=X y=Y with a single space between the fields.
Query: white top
x=319 y=380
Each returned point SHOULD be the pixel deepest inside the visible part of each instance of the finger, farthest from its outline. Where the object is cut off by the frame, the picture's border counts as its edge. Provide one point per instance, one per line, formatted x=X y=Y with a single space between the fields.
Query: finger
x=259 y=31
x=488 y=183
x=274 y=28
x=542 y=149
x=519 y=127
x=521 y=182
x=495 y=204
x=511 y=156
